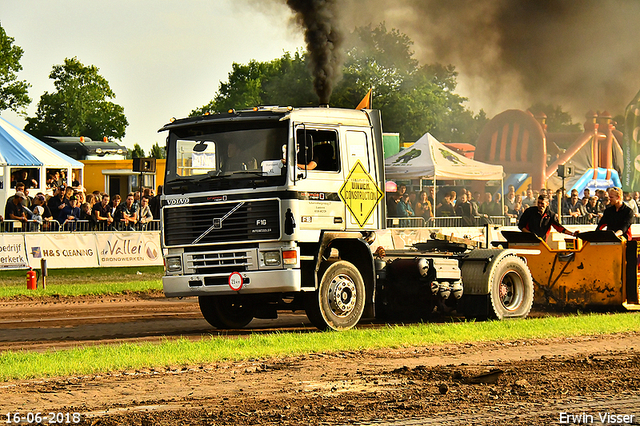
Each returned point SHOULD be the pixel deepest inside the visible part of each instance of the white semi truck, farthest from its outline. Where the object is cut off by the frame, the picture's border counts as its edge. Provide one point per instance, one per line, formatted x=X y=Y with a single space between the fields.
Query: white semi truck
x=279 y=208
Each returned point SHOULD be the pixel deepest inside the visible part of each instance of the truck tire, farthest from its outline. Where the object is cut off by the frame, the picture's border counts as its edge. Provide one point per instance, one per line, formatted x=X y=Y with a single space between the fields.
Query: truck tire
x=509 y=285
x=511 y=289
x=338 y=303
x=226 y=312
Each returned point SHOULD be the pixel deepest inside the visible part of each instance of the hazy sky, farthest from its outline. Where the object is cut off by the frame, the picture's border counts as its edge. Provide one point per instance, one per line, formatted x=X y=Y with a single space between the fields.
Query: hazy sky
x=162 y=58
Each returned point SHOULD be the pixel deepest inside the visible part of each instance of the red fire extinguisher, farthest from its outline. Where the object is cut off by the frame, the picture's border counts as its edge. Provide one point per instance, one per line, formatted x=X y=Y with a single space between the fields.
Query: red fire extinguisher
x=32 y=282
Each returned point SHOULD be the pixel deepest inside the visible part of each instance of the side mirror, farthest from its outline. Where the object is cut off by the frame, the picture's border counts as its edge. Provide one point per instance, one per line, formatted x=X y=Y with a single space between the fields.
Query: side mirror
x=200 y=146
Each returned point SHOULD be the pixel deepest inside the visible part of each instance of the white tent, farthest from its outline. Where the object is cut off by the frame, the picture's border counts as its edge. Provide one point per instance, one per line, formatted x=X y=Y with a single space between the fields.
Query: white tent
x=429 y=159
x=21 y=151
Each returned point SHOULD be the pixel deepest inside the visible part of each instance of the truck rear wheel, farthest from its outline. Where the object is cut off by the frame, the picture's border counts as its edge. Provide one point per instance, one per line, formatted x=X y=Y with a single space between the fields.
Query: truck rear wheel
x=225 y=312
x=339 y=302
x=500 y=288
x=511 y=289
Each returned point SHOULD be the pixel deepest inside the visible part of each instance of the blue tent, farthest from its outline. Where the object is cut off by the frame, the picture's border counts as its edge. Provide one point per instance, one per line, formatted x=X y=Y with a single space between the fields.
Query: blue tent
x=11 y=152
x=19 y=148
x=19 y=151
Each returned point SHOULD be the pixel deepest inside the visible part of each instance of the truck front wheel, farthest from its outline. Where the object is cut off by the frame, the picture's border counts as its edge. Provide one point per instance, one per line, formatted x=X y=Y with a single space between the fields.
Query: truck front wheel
x=339 y=302
x=226 y=312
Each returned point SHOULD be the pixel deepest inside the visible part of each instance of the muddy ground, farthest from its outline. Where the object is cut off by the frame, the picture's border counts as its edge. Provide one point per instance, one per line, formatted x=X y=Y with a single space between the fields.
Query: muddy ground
x=532 y=382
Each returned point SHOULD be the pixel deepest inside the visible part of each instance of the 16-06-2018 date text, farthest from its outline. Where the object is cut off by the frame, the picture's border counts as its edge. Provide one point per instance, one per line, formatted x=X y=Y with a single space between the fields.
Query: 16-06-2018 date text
x=41 y=418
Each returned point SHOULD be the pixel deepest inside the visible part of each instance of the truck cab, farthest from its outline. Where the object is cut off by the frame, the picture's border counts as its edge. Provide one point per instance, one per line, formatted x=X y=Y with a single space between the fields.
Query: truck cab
x=259 y=203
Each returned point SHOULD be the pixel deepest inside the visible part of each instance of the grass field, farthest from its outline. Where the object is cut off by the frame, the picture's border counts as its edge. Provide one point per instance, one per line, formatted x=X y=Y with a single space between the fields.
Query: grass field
x=85 y=281
x=183 y=352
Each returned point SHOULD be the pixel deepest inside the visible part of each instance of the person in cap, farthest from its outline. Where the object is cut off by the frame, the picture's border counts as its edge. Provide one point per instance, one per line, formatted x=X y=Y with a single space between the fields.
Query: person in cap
x=58 y=201
x=70 y=213
x=15 y=210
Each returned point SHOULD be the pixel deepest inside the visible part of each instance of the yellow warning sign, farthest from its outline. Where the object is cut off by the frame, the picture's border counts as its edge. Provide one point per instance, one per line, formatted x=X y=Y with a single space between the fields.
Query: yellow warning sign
x=360 y=193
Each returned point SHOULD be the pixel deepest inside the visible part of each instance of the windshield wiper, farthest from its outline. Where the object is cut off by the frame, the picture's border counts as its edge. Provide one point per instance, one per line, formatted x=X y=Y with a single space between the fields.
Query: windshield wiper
x=181 y=179
x=245 y=172
x=211 y=176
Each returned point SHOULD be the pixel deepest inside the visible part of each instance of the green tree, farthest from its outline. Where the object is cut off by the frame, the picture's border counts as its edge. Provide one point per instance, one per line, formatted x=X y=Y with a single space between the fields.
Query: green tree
x=157 y=151
x=80 y=106
x=557 y=119
x=136 y=152
x=13 y=93
x=414 y=99
x=283 y=81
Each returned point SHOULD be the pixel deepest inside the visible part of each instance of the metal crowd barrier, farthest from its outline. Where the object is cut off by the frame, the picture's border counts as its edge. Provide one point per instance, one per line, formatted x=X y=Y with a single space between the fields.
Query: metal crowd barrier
x=29 y=226
x=578 y=220
x=69 y=226
x=449 y=222
x=405 y=222
x=586 y=220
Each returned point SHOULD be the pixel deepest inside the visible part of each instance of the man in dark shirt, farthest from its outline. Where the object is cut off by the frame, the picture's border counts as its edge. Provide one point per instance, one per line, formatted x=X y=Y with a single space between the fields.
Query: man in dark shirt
x=102 y=214
x=539 y=220
x=126 y=215
x=446 y=208
x=618 y=216
x=70 y=213
x=14 y=210
x=58 y=202
x=154 y=203
x=392 y=201
x=466 y=211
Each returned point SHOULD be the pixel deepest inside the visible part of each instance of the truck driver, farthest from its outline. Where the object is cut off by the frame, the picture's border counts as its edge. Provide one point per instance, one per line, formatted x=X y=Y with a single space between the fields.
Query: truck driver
x=618 y=216
x=539 y=219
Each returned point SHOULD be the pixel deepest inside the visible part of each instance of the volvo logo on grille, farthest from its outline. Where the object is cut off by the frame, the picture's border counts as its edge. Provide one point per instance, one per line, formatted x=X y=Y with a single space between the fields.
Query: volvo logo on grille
x=217 y=222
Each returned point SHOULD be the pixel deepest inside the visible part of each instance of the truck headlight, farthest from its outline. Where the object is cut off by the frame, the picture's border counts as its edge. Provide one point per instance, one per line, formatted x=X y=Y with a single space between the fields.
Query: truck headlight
x=271 y=258
x=174 y=264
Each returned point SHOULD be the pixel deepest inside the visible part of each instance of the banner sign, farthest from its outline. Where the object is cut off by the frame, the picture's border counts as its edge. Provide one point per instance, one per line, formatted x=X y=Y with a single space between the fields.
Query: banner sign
x=12 y=251
x=129 y=249
x=631 y=169
x=80 y=249
x=77 y=250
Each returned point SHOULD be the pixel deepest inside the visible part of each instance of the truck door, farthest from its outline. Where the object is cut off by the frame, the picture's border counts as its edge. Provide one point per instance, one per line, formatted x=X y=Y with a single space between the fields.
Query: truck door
x=360 y=192
x=317 y=185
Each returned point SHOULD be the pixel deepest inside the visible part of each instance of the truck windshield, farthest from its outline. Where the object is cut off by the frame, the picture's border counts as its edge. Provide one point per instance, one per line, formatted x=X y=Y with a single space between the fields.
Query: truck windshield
x=226 y=151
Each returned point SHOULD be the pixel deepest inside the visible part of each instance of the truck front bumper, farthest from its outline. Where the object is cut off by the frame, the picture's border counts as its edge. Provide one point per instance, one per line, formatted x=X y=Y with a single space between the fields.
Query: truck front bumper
x=270 y=281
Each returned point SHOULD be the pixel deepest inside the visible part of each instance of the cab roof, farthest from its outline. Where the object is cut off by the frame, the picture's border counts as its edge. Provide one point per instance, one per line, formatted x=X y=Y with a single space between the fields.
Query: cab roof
x=316 y=115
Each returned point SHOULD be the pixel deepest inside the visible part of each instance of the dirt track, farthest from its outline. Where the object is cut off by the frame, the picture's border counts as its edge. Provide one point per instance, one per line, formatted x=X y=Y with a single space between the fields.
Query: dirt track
x=538 y=380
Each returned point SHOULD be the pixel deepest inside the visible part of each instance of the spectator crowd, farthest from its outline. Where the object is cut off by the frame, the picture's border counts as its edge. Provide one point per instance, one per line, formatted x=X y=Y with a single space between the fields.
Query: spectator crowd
x=70 y=208
x=476 y=208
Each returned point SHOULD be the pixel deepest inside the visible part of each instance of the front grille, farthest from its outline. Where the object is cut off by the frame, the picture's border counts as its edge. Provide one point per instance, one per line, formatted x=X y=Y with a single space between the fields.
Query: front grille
x=221 y=262
x=215 y=223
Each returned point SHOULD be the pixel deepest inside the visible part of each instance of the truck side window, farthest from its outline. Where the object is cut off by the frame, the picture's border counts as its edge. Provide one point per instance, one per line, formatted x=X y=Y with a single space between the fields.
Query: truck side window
x=321 y=149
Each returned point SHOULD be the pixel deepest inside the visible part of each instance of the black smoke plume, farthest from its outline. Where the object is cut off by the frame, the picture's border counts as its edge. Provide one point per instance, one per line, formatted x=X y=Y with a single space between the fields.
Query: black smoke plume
x=512 y=53
x=324 y=39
